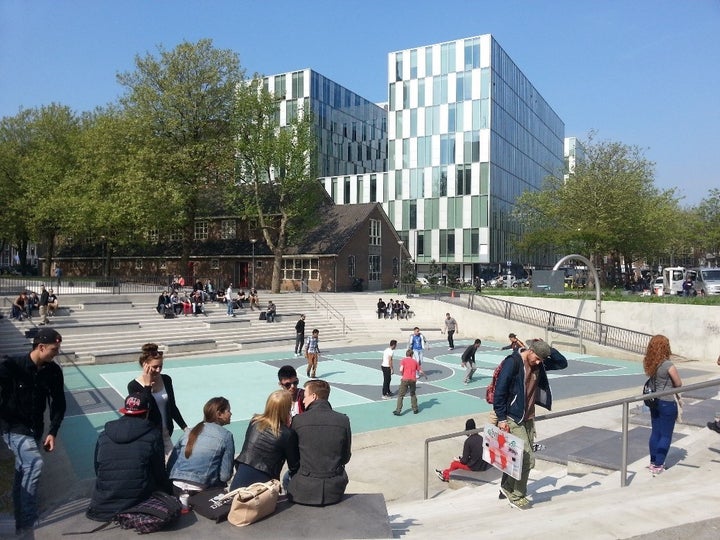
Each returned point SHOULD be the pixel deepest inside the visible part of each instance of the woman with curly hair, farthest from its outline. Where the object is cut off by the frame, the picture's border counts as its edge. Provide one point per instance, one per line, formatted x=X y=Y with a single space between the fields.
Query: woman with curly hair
x=269 y=443
x=657 y=365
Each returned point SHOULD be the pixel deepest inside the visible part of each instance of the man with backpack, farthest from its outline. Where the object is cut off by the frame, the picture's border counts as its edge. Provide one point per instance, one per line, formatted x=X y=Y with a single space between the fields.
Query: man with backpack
x=521 y=384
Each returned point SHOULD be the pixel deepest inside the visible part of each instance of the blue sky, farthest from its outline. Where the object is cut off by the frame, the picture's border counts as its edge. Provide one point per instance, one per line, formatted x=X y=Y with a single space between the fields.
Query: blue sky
x=641 y=72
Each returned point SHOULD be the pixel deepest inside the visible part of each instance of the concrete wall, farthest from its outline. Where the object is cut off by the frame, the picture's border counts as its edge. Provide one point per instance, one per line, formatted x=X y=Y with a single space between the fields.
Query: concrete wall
x=694 y=331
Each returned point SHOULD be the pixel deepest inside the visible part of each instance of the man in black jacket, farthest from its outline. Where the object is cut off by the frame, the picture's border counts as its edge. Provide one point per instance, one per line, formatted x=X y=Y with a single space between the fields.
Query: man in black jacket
x=129 y=461
x=27 y=384
x=324 y=441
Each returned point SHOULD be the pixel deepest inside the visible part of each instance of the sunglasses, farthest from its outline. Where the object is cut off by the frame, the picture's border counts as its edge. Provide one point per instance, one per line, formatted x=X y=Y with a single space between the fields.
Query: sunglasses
x=289 y=384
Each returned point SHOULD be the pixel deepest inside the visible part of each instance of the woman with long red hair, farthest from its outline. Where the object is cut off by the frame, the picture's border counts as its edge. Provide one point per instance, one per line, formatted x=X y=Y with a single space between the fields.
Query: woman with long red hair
x=658 y=366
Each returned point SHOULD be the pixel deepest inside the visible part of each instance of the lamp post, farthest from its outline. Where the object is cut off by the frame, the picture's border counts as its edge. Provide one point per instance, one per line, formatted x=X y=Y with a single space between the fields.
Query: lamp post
x=104 y=256
x=253 y=240
x=399 y=268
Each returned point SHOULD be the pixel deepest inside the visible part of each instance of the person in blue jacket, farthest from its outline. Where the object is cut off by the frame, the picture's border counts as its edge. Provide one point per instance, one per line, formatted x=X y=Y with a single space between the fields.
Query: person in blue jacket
x=522 y=384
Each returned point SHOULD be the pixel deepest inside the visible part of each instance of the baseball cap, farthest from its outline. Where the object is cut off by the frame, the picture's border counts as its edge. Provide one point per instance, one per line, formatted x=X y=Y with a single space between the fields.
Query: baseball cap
x=539 y=347
x=136 y=404
x=47 y=336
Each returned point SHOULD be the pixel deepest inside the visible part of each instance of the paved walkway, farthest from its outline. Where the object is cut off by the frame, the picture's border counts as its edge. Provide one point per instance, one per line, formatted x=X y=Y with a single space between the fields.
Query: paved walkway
x=388 y=451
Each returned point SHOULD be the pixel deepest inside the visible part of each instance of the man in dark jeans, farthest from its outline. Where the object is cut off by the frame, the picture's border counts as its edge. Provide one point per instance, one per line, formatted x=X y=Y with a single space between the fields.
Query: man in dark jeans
x=27 y=385
x=299 y=335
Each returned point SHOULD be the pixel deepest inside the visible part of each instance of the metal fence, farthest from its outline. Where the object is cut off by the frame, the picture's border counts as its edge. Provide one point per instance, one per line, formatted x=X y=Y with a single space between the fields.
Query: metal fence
x=10 y=285
x=603 y=334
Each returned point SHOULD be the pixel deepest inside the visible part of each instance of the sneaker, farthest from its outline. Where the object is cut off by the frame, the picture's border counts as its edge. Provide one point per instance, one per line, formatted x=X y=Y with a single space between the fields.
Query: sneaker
x=521 y=504
x=502 y=495
x=714 y=426
x=416 y=411
x=450 y=348
x=396 y=413
x=439 y=474
x=657 y=469
x=386 y=397
x=466 y=381
x=538 y=447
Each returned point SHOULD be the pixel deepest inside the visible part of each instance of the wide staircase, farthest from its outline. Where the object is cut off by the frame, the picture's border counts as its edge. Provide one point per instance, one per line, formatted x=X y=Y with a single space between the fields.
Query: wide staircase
x=106 y=329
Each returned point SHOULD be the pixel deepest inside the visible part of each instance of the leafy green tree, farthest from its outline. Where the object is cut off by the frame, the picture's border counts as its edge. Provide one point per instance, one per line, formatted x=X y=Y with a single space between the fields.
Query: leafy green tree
x=608 y=207
x=181 y=105
x=707 y=223
x=35 y=178
x=434 y=271
x=277 y=183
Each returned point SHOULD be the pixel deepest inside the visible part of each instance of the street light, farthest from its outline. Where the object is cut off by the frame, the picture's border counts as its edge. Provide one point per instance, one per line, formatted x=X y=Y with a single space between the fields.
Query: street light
x=253 y=240
x=399 y=267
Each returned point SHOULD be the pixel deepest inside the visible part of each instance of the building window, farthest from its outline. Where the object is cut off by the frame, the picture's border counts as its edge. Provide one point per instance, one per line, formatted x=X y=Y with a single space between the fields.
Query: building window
x=374 y=268
x=228 y=229
x=351 y=266
x=420 y=247
x=301 y=269
x=176 y=235
x=375 y=233
x=215 y=264
x=163 y=265
x=463 y=180
x=472 y=53
x=280 y=86
x=138 y=264
x=413 y=64
x=447 y=57
x=298 y=84
x=201 y=230
x=153 y=235
x=116 y=264
x=346 y=188
x=373 y=188
x=398 y=66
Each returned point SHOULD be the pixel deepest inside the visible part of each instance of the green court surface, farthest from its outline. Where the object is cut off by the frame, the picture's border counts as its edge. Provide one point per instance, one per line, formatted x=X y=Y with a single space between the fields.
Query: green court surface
x=246 y=379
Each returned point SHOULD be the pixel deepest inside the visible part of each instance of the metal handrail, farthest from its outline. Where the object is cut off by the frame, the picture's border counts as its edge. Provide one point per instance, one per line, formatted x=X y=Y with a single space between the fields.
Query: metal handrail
x=624 y=402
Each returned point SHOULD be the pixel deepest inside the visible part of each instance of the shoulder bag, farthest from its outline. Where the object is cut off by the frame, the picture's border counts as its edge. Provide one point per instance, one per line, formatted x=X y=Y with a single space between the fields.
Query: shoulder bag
x=254 y=502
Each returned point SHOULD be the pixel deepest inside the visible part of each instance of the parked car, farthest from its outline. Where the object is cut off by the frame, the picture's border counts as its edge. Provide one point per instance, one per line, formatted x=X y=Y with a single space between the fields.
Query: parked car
x=422 y=282
x=522 y=282
x=659 y=286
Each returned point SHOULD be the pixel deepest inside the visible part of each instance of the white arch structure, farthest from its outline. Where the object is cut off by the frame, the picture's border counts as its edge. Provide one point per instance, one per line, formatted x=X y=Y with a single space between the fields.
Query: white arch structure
x=598 y=310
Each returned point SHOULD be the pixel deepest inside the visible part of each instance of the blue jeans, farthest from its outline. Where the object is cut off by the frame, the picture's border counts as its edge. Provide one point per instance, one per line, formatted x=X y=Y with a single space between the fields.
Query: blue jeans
x=230 y=307
x=662 y=420
x=28 y=466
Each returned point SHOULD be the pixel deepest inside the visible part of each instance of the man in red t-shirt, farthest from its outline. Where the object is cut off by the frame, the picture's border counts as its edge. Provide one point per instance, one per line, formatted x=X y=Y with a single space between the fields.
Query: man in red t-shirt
x=409 y=368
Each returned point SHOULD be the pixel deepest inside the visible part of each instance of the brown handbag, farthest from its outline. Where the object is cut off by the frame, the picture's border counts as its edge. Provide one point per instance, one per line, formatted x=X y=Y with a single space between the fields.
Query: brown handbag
x=254 y=502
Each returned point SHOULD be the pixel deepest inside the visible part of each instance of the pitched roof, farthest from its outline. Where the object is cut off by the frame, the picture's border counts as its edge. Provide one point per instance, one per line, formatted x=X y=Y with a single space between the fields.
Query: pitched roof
x=340 y=223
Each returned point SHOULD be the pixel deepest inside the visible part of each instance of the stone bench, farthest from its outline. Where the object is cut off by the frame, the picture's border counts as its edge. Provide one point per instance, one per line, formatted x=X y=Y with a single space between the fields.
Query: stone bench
x=85 y=328
x=102 y=305
x=263 y=342
x=116 y=357
x=189 y=345
x=361 y=515
x=226 y=322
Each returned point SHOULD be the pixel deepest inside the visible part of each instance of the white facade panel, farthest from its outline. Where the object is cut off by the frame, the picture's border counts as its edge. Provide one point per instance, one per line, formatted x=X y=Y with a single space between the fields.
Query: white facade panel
x=484 y=145
x=485 y=50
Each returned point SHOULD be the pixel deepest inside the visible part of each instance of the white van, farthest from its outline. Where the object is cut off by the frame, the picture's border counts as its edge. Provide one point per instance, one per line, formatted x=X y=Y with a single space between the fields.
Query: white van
x=708 y=281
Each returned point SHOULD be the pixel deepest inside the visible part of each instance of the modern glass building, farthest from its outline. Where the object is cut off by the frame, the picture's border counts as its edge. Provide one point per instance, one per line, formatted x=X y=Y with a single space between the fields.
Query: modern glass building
x=351 y=131
x=464 y=132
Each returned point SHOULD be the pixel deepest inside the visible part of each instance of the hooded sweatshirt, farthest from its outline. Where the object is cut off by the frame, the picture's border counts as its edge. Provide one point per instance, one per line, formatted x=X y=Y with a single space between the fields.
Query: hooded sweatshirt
x=129 y=465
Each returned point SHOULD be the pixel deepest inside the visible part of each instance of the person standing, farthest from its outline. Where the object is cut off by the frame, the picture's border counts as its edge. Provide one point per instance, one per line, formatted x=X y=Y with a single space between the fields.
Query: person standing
x=471 y=459
x=312 y=352
x=229 y=300
x=657 y=365
x=521 y=384
x=715 y=424
x=468 y=360
x=27 y=385
x=324 y=443
x=451 y=326
x=129 y=463
x=58 y=275
x=299 y=335
x=387 y=368
x=163 y=409
x=409 y=368
x=43 y=305
x=418 y=344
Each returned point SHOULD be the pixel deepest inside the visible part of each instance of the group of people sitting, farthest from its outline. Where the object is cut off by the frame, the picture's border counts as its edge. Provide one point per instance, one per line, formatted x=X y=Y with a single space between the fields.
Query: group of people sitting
x=397 y=309
x=237 y=301
x=135 y=456
x=28 y=301
x=171 y=304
